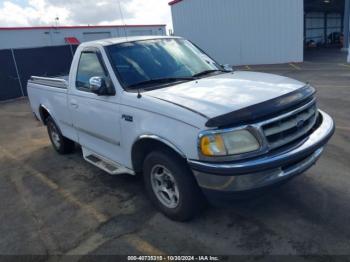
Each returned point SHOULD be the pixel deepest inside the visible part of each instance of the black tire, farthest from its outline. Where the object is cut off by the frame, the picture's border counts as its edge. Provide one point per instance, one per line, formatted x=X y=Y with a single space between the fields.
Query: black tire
x=191 y=200
x=60 y=143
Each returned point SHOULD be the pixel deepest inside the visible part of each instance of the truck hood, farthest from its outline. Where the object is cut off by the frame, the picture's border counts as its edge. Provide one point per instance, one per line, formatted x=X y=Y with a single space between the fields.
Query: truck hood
x=225 y=93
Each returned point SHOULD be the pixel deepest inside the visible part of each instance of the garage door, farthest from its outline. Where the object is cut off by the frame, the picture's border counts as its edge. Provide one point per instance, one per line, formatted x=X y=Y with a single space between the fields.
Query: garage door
x=322 y=28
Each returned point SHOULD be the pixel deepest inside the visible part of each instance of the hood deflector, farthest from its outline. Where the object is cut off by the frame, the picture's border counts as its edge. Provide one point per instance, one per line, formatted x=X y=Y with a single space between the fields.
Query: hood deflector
x=264 y=109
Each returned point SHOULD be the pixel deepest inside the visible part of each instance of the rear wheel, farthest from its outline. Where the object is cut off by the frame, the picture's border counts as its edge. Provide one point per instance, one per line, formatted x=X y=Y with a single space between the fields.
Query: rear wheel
x=60 y=143
x=171 y=186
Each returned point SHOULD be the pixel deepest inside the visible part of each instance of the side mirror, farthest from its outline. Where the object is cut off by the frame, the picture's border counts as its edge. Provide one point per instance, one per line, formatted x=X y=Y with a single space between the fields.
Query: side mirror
x=227 y=67
x=99 y=86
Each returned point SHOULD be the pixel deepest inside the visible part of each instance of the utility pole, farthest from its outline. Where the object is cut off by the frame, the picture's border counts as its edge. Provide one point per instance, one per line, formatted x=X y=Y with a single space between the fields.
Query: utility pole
x=122 y=17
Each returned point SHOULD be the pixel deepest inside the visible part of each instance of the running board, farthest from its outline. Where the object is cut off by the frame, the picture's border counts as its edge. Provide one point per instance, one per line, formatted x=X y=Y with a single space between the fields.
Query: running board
x=104 y=164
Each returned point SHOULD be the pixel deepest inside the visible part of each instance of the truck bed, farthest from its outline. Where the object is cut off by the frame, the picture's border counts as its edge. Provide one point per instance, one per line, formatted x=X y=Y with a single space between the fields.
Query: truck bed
x=50 y=92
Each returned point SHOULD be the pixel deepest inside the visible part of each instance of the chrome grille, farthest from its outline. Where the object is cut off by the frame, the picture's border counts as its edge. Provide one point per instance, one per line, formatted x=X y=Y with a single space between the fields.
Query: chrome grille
x=291 y=126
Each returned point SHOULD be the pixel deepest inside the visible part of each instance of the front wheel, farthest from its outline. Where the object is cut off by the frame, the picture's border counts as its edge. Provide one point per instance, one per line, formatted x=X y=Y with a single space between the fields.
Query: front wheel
x=171 y=186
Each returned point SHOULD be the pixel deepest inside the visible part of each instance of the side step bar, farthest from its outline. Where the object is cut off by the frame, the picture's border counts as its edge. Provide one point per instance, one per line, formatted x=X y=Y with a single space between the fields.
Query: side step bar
x=109 y=166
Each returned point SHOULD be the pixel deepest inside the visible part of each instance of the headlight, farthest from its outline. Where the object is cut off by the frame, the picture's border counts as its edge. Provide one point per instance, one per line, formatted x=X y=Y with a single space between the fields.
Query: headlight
x=228 y=143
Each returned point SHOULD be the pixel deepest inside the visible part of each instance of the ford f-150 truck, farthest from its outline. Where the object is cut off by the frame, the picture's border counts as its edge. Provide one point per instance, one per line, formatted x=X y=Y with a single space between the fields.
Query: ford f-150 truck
x=195 y=130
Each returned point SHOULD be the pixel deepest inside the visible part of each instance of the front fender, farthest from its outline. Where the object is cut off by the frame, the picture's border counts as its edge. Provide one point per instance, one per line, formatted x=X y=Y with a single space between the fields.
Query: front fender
x=162 y=140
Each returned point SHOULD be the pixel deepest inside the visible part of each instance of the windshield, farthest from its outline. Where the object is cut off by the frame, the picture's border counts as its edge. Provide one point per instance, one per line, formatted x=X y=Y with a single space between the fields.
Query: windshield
x=159 y=61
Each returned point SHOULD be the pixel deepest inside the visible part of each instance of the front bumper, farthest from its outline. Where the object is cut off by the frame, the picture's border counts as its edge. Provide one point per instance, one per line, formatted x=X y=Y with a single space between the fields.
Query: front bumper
x=266 y=170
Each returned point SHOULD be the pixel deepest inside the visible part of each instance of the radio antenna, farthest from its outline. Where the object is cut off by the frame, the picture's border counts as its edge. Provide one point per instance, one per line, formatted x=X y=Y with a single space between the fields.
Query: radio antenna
x=122 y=17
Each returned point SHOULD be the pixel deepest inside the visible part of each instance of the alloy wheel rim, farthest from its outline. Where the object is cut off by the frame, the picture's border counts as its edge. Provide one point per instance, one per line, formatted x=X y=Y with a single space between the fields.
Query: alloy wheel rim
x=164 y=186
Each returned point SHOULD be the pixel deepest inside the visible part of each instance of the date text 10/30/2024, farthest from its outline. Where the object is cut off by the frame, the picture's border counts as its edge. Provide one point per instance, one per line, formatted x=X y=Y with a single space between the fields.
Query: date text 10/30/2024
x=173 y=258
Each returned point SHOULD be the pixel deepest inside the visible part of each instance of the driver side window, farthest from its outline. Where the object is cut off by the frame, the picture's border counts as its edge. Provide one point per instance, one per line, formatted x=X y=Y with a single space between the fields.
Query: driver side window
x=89 y=66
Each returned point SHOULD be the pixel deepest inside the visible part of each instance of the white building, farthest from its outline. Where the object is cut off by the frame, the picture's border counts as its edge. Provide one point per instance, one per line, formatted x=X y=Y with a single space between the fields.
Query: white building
x=27 y=37
x=243 y=32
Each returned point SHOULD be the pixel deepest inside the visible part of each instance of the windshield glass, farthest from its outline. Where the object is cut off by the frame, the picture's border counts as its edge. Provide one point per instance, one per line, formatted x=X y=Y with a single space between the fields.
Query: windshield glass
x=151 y=61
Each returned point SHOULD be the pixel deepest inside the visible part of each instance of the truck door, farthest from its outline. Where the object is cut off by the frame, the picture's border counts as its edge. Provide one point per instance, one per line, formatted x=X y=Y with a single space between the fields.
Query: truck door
x=96 y=118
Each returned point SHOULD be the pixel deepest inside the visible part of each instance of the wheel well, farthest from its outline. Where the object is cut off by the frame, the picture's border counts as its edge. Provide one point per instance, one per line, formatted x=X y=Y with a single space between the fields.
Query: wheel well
x=44 y=114
x=145 y=146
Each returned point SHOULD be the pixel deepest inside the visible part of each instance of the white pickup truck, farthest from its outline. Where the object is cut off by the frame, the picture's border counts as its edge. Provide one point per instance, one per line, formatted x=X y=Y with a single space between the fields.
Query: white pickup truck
x=194 y=129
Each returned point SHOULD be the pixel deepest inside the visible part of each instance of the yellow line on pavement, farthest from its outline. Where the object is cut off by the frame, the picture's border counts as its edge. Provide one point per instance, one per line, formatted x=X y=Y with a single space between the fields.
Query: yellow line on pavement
x=101 y=218
x=97 y=240
x=343 y=128
x=49 y=242
x=143 y=246
x=89 y=245
x=295 y=67
x=345 y=65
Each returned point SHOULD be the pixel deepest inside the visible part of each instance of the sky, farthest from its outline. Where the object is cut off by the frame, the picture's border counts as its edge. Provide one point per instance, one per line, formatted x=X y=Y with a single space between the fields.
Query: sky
x=16 y=13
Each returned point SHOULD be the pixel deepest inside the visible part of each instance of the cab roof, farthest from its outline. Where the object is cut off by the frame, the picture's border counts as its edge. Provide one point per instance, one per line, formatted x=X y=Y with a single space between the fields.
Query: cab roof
x=119 y=40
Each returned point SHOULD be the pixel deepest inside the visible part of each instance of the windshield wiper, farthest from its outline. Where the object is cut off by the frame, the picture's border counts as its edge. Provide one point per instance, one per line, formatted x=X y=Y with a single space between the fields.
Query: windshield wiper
x=207 y=72
x=160 y=81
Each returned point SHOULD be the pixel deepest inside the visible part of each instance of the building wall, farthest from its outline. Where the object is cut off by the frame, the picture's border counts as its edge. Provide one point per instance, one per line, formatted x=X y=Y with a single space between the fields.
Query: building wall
x=26 y=38
x=243 y=32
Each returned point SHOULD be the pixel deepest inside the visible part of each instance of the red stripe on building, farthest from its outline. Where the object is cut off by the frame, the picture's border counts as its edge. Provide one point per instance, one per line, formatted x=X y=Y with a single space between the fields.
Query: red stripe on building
x=72 y=40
